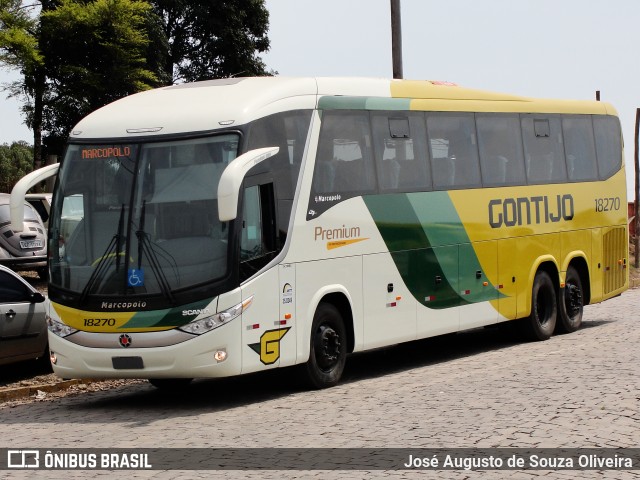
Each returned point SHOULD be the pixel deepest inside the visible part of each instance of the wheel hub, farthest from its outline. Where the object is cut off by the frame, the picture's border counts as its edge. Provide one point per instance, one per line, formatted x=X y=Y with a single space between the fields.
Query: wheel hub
x=573 y=299
x=329 y=344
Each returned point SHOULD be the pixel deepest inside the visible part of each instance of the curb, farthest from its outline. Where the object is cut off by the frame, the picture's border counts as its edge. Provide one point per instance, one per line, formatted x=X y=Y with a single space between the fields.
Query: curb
x=25 y=392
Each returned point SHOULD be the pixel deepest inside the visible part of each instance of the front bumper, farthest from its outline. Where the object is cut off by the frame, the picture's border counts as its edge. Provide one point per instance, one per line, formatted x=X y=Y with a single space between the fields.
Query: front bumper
x=193 y=358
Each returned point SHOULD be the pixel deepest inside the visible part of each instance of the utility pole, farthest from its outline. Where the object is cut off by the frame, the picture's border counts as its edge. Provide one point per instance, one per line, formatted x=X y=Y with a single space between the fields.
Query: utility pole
x=396 y=39
x=636 y=206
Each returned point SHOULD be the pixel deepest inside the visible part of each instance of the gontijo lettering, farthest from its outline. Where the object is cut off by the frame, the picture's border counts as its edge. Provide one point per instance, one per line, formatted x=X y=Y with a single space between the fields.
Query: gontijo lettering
x=106 y=152
x=509 y=212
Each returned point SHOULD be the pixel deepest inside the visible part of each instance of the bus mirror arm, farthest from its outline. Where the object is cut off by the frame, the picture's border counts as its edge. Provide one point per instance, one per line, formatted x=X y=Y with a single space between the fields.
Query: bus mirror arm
x=16 y=202
x=232 y=177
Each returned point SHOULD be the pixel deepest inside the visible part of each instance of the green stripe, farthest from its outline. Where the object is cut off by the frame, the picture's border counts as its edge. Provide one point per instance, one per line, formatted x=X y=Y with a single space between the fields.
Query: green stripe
x=429 y=245
x=363 y=103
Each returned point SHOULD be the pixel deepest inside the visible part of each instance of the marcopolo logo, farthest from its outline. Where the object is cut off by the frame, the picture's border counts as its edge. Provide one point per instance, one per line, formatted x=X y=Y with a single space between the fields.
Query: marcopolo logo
x=509 y=212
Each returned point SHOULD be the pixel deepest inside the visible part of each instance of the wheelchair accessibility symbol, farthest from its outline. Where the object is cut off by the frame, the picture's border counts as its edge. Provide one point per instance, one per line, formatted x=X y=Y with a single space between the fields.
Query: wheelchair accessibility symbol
x=135 y=278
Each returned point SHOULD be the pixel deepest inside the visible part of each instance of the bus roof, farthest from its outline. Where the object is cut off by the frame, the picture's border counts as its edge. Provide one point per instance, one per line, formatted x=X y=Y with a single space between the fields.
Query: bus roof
x=214 y=104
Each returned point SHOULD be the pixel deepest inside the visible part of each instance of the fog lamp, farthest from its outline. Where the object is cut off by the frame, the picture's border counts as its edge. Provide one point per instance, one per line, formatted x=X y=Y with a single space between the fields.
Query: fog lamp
x=220 y=355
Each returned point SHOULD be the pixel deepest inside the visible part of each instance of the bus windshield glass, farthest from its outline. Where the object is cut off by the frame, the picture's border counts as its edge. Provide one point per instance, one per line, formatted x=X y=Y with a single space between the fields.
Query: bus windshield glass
x=140 y=219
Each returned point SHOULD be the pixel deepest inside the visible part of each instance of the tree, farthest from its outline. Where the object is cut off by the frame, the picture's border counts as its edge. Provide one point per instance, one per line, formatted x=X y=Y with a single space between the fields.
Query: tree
x=96 y=52
x=15 y=163
x=214 y=38
x=75 y=57
x=20 y=49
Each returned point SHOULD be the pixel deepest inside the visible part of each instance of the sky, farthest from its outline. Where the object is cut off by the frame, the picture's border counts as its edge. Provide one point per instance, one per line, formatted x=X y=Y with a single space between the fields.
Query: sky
x=536 y=48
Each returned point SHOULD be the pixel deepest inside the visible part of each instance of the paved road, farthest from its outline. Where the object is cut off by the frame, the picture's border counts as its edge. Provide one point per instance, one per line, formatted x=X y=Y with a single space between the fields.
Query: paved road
x=477 y=389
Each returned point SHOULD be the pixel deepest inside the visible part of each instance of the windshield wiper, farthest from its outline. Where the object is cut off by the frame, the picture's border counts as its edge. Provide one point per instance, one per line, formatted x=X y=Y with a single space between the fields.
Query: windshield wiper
x=146 y=248
x=103 y=265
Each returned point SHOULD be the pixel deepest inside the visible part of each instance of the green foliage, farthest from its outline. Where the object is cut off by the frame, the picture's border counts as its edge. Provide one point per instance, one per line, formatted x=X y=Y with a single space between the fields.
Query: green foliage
x=214 y=38
x=16 y=160
x=18 y=43
x=76 y=56
x=96 y=53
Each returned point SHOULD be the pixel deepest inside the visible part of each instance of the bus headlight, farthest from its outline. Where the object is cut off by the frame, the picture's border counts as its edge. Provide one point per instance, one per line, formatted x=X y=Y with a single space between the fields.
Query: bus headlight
x=204 y=325
x=59 y=328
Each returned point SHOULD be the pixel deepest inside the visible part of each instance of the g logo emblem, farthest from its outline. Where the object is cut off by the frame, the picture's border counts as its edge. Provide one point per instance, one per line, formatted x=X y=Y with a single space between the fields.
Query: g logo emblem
x=269 y=346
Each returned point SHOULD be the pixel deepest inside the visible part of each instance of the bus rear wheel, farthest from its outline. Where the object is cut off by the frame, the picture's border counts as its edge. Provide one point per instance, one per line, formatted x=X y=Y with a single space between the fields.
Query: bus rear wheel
x=540 y=324
x=328 y=350
x=570 y=303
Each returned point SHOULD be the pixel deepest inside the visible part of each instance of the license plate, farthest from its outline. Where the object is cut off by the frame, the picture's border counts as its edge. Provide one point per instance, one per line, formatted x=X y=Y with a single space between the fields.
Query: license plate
x=31 y=244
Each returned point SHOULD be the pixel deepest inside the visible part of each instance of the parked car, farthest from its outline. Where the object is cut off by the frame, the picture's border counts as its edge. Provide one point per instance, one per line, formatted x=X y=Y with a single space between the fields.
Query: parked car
x=23 y=328
x=25 y=250
x=42 y=203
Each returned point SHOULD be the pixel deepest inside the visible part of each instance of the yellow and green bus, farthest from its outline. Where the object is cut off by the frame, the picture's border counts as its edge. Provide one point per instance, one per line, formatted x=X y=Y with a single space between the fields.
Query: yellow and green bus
x=239 y=225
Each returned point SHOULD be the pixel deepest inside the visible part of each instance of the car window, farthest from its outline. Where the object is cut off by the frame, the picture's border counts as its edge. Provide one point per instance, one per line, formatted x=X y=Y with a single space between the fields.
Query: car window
x=40 y=208
x=12 y=289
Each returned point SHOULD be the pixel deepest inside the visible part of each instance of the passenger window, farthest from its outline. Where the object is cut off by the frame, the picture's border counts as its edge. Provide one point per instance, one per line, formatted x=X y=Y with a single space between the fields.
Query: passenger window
x=579 y=147
x=543 y=150
x=401 y=152
x=453 y=150
x=11 y=290
x=344 y=163
x=500 y=145
x=608 y=145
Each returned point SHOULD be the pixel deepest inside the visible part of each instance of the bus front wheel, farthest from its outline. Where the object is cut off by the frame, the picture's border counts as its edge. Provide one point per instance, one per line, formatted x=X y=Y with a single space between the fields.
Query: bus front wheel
x=328 y=348
x=570 y=303
x=539 y=325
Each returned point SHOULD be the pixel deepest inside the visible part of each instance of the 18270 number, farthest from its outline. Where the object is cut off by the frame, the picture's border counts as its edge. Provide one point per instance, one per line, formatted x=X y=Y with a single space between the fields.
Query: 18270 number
x=99 y=322
x=607 y=204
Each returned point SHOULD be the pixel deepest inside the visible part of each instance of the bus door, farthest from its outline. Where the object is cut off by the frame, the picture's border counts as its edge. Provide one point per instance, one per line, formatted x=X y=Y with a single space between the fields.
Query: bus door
x=262 y=330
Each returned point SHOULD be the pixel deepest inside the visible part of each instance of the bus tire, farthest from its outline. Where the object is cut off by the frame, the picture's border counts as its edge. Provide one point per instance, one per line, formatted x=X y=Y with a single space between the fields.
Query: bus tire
x=170 y=384
x=540 y=324
x=570 y=303
x=328 y=347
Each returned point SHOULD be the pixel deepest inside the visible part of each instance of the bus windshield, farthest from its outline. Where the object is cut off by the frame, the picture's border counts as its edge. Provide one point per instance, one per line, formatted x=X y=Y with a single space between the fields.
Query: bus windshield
x=140 y=219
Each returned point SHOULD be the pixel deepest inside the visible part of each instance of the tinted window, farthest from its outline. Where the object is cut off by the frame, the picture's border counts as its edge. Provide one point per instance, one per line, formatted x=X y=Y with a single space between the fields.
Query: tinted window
x=344 y=162
x=11 y=289
x=500 y=145
x=288 y=131
x=401 y=152
x=29 y=213
x=579 y=148
x=608 y=145
x=544 y=152
x=453 y=149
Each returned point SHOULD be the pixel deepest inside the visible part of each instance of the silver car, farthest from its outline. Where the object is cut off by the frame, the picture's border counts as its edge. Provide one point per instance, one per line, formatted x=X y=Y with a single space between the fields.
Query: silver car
x=23 y=329
x=25 y=250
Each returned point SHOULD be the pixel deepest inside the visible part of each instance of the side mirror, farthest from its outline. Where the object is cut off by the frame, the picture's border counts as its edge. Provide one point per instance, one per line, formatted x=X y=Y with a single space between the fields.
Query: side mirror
x=232 y=177
x=37 y=297
x=16 y=201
